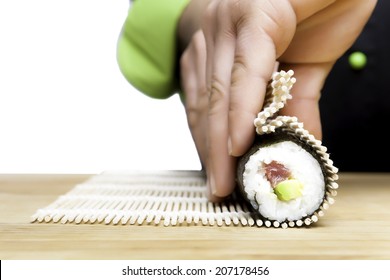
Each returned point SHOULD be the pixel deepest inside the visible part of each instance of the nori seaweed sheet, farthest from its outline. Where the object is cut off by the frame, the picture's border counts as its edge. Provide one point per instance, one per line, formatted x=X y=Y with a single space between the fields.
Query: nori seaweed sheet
x=265 y=140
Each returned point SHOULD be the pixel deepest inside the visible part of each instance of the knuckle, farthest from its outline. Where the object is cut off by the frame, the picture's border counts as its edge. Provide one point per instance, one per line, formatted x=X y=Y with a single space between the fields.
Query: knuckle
x=202 y=93
x=218 y=98
x=239 y=70
x=192 y=118
x=195 y=110
x=217 y=90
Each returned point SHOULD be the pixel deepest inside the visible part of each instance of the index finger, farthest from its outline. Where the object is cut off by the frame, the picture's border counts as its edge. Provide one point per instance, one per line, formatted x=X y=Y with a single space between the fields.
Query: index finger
x=262 y=36
x=253 y=67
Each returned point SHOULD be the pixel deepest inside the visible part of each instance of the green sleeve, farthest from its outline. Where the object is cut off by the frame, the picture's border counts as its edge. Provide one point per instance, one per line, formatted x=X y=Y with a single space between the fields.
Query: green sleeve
x=146 y=50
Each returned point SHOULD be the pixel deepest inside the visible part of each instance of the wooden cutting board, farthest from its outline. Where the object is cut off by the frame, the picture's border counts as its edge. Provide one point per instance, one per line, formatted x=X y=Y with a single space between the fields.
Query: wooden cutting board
x=357 y=226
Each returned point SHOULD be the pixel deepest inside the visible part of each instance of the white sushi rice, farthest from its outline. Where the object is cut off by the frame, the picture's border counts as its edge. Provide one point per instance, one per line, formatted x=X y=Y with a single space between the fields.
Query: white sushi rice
x=303 y=166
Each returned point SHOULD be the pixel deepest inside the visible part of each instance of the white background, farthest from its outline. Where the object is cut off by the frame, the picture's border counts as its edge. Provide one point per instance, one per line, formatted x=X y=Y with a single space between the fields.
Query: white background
x=65 y=107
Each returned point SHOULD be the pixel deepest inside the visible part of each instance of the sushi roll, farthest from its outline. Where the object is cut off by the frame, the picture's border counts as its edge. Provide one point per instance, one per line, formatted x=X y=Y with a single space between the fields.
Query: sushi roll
x=286 y=176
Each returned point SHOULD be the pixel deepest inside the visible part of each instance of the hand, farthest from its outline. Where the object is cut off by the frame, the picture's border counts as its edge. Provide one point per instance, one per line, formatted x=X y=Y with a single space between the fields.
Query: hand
x=228 y=61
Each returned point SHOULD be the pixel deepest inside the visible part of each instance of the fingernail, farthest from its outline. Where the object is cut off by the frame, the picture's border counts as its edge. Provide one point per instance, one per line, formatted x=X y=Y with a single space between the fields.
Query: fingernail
x=211 y=184
x=230 y=149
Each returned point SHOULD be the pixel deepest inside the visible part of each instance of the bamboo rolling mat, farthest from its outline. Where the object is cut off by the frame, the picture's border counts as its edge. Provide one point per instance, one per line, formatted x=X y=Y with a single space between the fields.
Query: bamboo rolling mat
x=145 y=197
x=148 y=198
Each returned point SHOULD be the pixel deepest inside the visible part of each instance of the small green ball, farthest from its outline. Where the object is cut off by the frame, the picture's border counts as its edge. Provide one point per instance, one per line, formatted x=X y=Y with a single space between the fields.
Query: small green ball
x=357 y=60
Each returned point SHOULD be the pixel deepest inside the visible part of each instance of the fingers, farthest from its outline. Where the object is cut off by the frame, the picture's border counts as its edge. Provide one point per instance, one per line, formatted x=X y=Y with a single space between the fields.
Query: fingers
x=241 y=55
x=193 y=79
x=306 y=94
x=220 y=55
x=208 y=27
x=264 y=33
x=253 y=67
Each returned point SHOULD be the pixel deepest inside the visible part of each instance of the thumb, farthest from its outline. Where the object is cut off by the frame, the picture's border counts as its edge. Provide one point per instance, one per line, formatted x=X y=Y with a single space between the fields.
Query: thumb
x=306 y=94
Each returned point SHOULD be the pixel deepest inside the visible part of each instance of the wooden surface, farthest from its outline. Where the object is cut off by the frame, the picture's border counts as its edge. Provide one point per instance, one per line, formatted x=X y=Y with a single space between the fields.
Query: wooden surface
x=357 y=226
